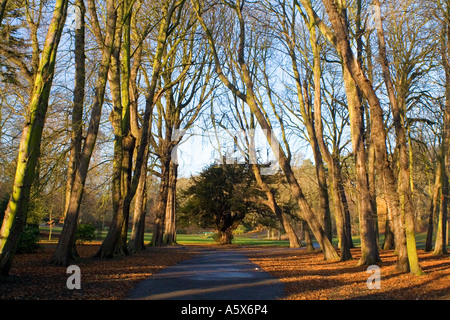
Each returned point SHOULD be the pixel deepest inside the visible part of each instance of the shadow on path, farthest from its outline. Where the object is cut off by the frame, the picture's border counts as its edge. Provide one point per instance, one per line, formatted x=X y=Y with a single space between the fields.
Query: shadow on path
x=212 y=275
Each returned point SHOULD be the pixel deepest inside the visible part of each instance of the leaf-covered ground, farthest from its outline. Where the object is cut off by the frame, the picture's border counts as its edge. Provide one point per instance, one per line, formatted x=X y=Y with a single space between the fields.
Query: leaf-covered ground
x=32 y=277
x=305 y=274
x=308 y=277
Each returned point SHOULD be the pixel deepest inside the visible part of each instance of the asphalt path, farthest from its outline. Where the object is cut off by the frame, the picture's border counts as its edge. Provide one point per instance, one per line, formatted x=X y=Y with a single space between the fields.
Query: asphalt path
x=211 y=275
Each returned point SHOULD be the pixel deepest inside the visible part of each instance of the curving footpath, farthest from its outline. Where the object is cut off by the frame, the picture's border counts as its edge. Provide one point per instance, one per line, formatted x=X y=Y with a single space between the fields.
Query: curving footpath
x=212 y=275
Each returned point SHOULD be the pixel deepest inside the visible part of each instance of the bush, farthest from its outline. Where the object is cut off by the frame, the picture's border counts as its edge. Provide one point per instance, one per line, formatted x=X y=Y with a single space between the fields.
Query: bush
x=85 y=232
x=29 y=239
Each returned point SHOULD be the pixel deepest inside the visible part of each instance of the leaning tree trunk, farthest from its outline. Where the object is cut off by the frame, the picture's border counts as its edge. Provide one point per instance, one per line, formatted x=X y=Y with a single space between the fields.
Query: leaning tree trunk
x=273 y=205
x=30 y=143
x=62 y=254
x=136 y=242
x=404 y=187
x=367 y=220
x=308 y=236
x=333 y=165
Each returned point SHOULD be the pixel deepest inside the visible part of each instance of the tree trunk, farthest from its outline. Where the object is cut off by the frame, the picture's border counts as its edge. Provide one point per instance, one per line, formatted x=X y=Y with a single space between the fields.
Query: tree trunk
x=78 y=102
x=331 y=159
x=170 y=231
x=158 y=231
x=273 y=205
x=434 y=205
x=136 y=242
x=226 y=236
x=308 y=236
x=367 y=220
x=62 y=254
x=441 y=232
x=404 y=187
x=30 y=143
x=440 y=246
x=389 y=239
x=117 y=171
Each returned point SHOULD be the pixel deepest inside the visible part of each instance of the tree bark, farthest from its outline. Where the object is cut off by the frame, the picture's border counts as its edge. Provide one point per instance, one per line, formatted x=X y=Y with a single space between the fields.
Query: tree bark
x=273 y=205
x=404 y=187
x=441 y=232
x=30 y=143
x=434 y=205
x=170 y=230
x=158 y=230
x=78 y=102
x=62 y=254
x=136 y=242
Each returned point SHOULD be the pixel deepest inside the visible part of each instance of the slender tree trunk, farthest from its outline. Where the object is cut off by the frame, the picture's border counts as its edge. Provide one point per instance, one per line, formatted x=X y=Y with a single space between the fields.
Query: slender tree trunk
x=136 y=242
x=170 y=231
x=308 y=120
x=434 y=205
x=116 y=227
x=78 y=101
x=128 y=140
x=347 y=220
x=333 y=165
x=404 y=188
x=63 y=249
x=441 y=238
x=77 y=111
x=30 y=143
x=389 y=240
x=273 y=205
x=158 y=231
x=441 y=232
x=308 y=236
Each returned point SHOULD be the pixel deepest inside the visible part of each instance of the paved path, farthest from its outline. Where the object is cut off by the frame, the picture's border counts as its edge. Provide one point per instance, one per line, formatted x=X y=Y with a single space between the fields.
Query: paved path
x=212 y=275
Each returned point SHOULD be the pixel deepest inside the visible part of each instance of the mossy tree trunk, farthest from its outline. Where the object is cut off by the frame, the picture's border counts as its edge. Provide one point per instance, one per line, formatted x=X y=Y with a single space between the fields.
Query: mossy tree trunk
x=30 y=143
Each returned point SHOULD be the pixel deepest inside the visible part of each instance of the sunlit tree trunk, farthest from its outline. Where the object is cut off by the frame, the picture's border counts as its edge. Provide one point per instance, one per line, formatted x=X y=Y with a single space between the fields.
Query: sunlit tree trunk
x=62 y=254
x=136 y=242
x=407 y=211
x=440 y=246
x=333 y=165
x=273 y=205
x=30 y=143
x=433 y=208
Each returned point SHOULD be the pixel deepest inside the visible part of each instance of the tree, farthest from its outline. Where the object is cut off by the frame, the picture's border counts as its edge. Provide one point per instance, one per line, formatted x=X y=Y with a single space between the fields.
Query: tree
x=16 y=212
x=220 y=197
x=64 y=251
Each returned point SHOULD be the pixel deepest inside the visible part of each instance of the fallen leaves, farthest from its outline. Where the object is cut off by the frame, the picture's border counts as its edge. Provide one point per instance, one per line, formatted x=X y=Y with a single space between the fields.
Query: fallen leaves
x=32 y=277
x=308 y=277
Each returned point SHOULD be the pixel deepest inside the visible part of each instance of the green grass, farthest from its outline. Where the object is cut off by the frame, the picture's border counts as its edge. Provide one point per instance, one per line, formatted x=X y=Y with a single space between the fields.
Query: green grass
x=186 y=239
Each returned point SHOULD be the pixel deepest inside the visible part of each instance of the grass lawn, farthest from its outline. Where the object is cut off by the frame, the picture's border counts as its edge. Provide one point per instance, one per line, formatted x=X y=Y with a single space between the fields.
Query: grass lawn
x=207 y=238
